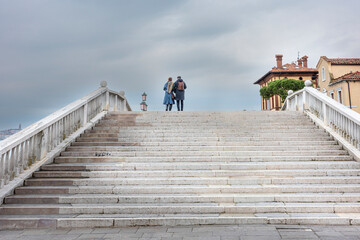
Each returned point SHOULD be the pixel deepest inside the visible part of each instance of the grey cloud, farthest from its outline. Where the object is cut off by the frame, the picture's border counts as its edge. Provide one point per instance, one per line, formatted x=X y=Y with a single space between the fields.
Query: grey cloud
x=54 y=52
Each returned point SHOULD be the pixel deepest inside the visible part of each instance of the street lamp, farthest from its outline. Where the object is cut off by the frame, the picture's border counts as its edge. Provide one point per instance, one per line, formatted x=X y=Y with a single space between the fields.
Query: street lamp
x=144 y=97
x=143 y=106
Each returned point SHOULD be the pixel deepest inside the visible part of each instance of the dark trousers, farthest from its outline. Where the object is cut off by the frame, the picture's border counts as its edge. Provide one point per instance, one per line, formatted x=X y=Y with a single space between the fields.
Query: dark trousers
x=178 y=103
x=168 y=106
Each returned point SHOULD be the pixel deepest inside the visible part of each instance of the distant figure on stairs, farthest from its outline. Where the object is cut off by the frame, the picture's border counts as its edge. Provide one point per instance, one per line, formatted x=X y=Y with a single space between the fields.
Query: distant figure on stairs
x=179 y=89
x=169 y=94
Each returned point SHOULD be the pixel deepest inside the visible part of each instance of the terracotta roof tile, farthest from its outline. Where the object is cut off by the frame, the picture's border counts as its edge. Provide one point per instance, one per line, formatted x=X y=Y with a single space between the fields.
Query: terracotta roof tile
x=343 y=61
x=355 y=76
x=293 y=68
x=288 y=68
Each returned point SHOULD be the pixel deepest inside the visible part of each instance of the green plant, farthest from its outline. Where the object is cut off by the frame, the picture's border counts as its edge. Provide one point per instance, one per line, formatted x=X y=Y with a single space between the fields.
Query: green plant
x=281 y=87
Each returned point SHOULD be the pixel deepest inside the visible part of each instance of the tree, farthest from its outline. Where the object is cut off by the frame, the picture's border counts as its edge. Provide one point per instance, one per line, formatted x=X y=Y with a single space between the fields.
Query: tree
x=281 y=88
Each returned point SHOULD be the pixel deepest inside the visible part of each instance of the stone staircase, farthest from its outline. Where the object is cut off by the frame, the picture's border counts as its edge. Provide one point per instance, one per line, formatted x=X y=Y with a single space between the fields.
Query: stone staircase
x=184 y=168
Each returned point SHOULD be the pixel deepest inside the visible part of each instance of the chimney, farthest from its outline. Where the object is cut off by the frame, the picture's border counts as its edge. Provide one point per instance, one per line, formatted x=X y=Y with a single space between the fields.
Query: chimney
x=304 y=59
x=279 y=60
x=300 y=62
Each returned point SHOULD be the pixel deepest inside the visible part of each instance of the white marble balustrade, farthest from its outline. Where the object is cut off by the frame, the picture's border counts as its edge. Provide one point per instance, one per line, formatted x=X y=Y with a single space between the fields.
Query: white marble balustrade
x=332 y=115
x=20 y=151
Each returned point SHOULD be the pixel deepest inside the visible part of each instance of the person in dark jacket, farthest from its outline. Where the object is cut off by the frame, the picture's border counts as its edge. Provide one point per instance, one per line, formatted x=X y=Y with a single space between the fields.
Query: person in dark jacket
x=179 y=89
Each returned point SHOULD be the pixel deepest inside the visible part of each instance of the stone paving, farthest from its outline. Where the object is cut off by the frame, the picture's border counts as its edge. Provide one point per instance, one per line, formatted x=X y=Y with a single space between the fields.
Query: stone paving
x=208 y=232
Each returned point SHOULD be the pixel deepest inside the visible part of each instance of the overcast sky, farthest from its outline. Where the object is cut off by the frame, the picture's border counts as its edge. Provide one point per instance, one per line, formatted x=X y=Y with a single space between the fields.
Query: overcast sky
x=53 y=52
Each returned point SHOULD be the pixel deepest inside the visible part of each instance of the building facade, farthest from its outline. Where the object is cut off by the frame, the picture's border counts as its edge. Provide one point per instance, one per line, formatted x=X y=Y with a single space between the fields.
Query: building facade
x=339 y=78
x=299 y=71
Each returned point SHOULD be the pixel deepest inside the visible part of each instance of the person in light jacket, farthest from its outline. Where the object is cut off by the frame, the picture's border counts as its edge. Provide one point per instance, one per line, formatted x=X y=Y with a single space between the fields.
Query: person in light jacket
x=169 y=91
x=179 y=89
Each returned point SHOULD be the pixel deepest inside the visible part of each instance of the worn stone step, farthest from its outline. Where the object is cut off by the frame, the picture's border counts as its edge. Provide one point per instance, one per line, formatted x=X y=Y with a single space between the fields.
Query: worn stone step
x=91 y=222
x=207 y=173
x=144 y=209
x=222 y=198
x=211 y=136
x=189 y=189
x=229 y=153
x=98 y=157
x=151 y=166
x=211 y=139
x=206 y=148
x=189 y=180
x=131 y=130
x=329 y=143
x=235 y=125
x=222 y=141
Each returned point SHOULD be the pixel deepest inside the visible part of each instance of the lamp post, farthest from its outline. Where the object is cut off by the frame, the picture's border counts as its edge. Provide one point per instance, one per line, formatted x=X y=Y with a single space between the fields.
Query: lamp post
x=144 y=96
x=143 y=105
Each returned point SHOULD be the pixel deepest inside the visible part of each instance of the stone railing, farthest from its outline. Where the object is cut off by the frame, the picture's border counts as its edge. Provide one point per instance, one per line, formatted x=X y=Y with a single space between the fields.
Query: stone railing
x=24 y=152
x=341 y=122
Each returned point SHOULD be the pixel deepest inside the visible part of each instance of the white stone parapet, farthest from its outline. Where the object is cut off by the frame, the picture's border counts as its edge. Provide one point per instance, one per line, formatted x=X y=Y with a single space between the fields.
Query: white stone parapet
x=21 y=153
x=341 y=122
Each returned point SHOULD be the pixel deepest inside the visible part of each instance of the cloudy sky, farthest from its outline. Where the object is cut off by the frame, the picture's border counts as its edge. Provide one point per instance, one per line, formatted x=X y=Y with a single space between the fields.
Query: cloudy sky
x=53 y=52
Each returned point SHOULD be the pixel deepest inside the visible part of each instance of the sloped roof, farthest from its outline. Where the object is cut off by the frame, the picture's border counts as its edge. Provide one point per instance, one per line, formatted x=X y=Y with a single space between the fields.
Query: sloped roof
x=355 y=76
x=342 y=61
x=288 y=68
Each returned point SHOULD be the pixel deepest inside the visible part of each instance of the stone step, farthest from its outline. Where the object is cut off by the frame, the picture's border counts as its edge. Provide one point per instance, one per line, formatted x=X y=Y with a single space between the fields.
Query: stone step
x=223 y=198
x=98 y=157
x=190 y=180
x=189 y=153
x=189 y=189
x=224 y=139
x=144 y=209
x=208 y=120
x=209 y=134
x=310 y=144
x=151 y=166
x=247 y=141
x=199 y=129
x=210 y=148
x=209 y=173
x=199 y=135
x=209 y=127
x=56 y=221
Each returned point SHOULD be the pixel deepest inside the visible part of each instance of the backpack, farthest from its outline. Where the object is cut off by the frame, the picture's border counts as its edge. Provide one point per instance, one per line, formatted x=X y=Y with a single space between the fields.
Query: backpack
x=181 y=86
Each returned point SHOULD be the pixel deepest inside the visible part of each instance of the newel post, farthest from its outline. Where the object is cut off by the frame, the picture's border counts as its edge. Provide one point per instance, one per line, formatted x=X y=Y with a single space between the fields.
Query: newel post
x=308 y=83
x=287 y=100
x=123 y=102
x=103 y=84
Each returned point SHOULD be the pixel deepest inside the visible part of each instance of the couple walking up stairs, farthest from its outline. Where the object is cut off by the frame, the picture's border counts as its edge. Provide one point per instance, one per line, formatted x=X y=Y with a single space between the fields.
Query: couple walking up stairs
x=182 y=168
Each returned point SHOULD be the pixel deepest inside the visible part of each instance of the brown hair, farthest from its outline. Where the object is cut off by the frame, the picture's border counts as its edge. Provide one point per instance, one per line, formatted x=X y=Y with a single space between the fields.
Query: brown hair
x=169 y=79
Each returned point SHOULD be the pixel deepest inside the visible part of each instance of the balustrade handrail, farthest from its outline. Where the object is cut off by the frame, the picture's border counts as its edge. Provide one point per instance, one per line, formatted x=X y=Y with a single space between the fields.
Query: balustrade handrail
x=40 y=125
x=51 y=134
x=332 y=115
x=354 y=116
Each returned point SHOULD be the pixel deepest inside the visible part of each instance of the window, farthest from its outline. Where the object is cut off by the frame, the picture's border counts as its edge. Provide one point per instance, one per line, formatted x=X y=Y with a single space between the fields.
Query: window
x=332 y=95
x=340 y=100
x=323 y=74
x=268 y=104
